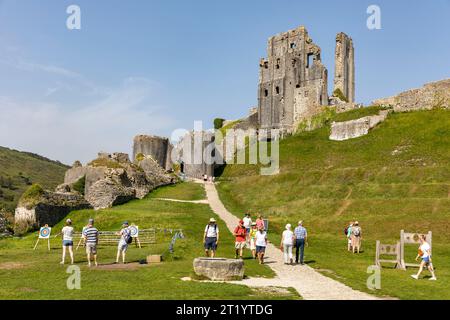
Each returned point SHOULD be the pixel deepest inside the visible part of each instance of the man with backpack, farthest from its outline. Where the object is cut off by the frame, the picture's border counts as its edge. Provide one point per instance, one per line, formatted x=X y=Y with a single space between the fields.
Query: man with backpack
x=211 y=238
x=125 y=240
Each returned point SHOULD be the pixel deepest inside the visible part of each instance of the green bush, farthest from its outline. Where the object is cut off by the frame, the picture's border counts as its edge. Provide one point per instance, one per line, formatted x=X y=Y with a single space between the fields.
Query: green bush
x=338 y=93
x=31 y=196
x=218 y=123
x=80 y=185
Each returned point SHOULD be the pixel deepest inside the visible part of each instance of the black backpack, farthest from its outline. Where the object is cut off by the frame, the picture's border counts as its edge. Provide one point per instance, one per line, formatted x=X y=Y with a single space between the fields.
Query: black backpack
x=128 y=238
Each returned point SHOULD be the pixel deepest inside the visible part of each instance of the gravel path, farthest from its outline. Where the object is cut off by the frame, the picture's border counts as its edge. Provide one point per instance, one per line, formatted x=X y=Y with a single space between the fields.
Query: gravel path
x=310 y=284
x=186 y=201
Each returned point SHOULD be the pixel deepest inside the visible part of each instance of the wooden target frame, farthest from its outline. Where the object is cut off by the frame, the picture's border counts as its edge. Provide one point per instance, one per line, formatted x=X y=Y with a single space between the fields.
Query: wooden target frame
x=388 y=250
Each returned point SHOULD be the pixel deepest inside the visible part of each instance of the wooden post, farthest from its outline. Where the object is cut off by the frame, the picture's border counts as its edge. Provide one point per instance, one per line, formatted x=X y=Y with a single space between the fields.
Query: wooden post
x=36 y=244
x=377 y=254
x=48 y=242
x=402 y=250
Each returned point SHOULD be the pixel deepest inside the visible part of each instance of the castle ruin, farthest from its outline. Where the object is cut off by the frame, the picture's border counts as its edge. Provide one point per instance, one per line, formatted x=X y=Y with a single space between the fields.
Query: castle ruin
x=293 y=82
x=344 y=72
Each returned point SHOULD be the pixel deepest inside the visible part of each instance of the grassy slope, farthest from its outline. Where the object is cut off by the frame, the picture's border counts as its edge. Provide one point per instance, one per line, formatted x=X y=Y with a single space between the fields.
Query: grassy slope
x=21 y=165
x=43 y=278
x=328 y=183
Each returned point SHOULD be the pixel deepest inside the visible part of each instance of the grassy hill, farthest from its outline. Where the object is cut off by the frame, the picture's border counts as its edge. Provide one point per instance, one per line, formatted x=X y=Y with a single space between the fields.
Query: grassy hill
x=28 y=274
x=397 y=177
x=18 y=170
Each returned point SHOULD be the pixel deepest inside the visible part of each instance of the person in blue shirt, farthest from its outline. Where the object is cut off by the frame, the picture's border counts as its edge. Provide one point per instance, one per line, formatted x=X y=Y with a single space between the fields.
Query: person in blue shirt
x=301 y=238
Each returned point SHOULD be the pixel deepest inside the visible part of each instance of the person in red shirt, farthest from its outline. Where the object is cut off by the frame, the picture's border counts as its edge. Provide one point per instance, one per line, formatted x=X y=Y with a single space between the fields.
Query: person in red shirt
x=240 y=234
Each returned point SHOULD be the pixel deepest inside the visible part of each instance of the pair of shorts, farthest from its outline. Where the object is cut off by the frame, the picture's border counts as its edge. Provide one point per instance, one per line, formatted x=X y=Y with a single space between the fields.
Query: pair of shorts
x=123 y=246
x=67 y=243
x=211 y=243
x=239 y=245
x=426 y=260
x=260 y=249
x=91 y=248
x=247 y=230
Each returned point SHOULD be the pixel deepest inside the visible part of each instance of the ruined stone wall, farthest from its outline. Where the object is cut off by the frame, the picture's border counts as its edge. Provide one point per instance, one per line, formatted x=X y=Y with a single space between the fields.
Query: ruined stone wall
x=159 y=148
x=344 y=75
x=356 y=128
x=195 y=153
x=431 y=95
x=293 y=62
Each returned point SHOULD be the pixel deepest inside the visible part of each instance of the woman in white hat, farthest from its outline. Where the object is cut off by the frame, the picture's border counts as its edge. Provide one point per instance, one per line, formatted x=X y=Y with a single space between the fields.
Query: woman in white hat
x=287 y=242
x=67 y=234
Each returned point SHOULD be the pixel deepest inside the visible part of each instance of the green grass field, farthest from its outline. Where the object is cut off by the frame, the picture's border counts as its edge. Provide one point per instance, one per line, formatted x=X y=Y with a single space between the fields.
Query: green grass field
x=397 y=177
x=28 y=274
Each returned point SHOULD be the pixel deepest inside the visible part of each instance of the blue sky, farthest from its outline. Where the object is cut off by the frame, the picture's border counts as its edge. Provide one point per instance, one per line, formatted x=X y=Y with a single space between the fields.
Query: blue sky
x=154 y=66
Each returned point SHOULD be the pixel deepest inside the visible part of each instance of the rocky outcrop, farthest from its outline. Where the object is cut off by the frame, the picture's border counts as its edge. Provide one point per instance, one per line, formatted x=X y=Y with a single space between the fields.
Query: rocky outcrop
x=219 y=269
x=356 y=128
x=113 y=179
x=4 y=225
x=430 y=96
x=48 y=208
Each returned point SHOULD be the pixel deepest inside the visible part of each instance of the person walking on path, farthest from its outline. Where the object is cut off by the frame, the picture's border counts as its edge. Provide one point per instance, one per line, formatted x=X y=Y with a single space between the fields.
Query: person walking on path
x=301 y=238
x=356 y=237
x=240 y=234
x=211 y=238
x=67 y=234
x=91 y=239
x=425 y=254
x=125 y=239
x=348 y=234
x=252 y=237
x=260 y=222
x=261 y=244
x=247 y=225
x=287 y=242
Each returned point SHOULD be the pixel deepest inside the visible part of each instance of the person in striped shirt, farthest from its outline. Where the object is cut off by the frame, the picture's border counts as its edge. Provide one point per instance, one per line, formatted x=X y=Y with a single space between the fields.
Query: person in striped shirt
x=90 y=235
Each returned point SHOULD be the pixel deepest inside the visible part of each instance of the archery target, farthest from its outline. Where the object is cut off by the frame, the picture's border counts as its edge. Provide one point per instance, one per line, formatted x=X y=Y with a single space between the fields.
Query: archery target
x=44 y=232
x=134 y=230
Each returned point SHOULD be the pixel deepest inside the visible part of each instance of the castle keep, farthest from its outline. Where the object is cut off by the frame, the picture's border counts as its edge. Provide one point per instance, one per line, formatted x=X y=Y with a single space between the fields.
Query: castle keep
x=293 y=81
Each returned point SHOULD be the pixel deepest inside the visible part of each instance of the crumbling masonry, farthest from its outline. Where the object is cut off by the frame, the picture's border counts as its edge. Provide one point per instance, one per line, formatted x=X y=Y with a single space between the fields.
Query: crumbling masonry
x=344 y=72
x=293 y=81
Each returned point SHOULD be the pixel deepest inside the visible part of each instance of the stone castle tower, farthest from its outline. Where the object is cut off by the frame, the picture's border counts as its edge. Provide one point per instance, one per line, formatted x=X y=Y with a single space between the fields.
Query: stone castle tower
x=292 y=81
x=344 y=74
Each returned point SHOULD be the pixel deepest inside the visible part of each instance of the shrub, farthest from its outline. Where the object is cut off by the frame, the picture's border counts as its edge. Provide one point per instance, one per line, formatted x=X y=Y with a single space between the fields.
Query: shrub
x=80 y=185
x=338 y=93
x=31 y=196
x=218 y=123
x=140 y=157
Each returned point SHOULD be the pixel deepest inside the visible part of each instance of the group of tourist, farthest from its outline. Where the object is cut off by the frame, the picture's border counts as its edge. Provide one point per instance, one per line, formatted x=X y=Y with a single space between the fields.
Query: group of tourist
x=90 y=237
x=253 y=235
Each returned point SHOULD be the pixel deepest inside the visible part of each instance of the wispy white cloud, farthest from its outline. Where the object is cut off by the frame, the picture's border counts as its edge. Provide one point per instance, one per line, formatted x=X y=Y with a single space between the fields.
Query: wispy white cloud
x=67 y=134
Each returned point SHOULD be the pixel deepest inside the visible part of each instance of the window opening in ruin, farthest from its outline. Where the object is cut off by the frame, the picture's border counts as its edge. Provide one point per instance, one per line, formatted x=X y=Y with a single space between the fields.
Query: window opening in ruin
x=277 y=89
x=278 y=64
x=297 y=86
x=266 y=64
x=266 y=92
x=293 y=45
x=310 y=60
x=182 y=167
